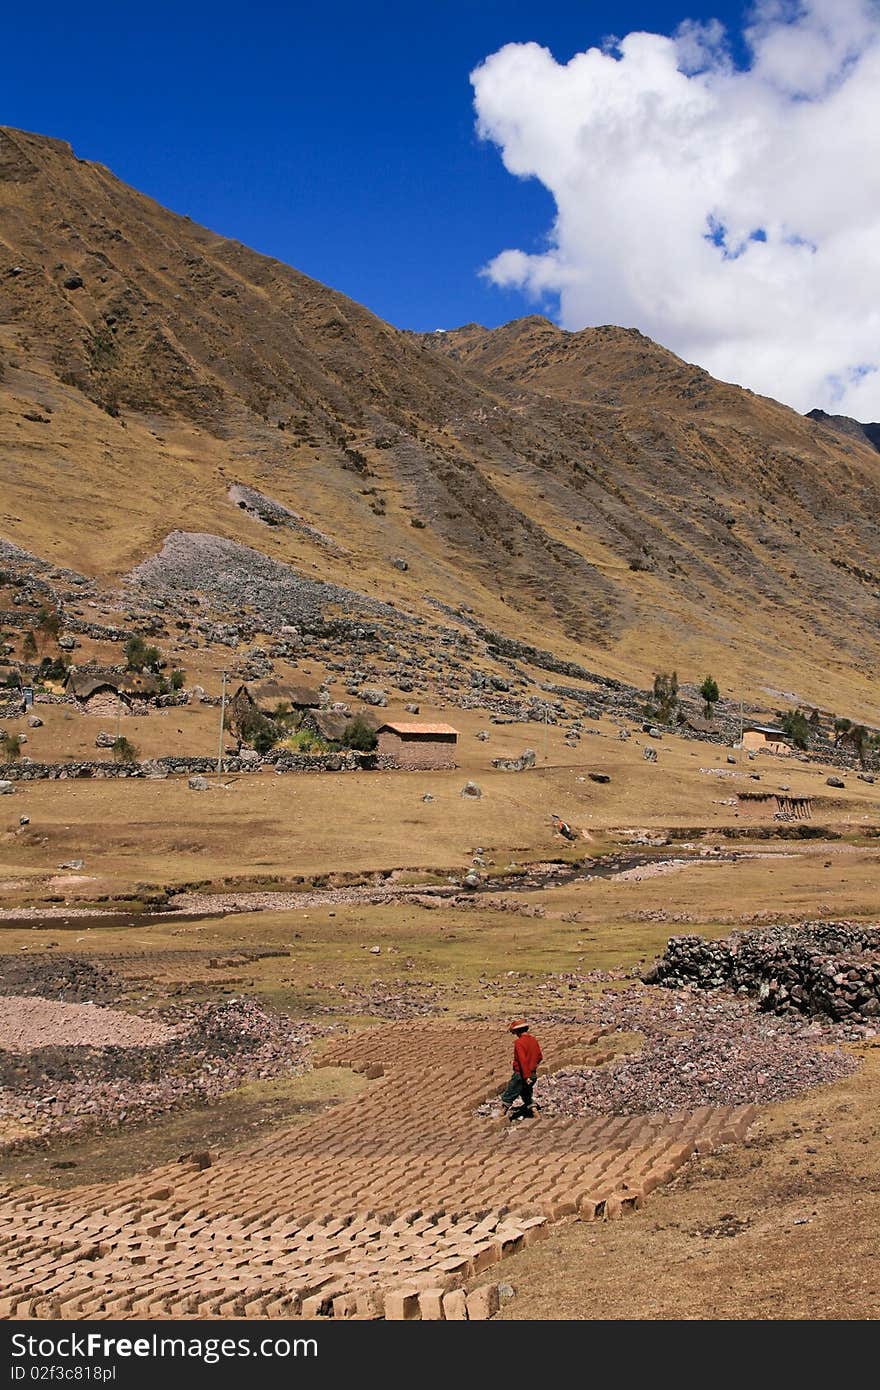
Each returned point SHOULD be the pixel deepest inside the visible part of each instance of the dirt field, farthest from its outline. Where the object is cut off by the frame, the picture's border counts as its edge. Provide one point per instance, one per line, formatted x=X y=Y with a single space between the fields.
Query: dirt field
x=372 y=935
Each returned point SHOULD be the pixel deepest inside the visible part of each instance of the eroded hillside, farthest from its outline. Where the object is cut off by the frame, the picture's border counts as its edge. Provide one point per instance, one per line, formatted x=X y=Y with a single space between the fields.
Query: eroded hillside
x=588 y=493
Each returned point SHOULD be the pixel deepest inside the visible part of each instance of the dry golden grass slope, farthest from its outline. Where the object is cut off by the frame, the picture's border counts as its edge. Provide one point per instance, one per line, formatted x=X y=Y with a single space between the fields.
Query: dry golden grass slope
x=589 y=492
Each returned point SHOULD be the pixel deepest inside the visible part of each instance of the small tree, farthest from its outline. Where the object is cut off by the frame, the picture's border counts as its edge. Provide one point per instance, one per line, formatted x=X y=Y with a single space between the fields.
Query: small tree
x=360 y=735
x=797 y=726
x=709 y=692
x=11 y=748
x=177 y=679
x=48 y=625
x=665 y=696
x=29 y=646
x=139 y=656
x=124 y=751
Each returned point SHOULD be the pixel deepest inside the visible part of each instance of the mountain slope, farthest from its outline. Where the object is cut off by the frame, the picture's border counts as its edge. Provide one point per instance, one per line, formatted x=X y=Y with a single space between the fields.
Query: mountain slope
x=586 y=492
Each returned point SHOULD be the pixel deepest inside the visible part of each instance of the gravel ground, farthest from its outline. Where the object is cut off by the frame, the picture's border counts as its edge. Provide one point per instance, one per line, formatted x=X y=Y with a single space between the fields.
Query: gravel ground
x=70 y=979
x=701 y=1047
x=27 y=1023
x=61 y=1091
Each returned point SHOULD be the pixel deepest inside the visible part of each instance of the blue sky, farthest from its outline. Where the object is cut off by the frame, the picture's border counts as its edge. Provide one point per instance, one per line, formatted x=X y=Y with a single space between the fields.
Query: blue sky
x=337 y=137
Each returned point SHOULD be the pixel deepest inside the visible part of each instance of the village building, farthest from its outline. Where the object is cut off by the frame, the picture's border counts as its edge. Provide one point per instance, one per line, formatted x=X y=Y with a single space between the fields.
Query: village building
x=417 y=746
x=109 y=693
x=698 y=724
x=766 y=738
x=267 y=698
x=12 y=699
x=777 y=805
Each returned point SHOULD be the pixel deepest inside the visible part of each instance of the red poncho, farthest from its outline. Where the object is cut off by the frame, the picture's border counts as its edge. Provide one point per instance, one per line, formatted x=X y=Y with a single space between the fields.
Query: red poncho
x=526 y=1055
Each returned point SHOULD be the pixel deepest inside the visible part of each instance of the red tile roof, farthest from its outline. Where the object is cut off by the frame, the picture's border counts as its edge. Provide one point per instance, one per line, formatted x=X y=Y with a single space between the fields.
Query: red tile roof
x=399 y=728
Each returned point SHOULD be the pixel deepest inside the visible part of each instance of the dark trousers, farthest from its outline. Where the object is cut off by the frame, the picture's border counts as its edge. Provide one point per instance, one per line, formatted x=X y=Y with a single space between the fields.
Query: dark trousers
x=517 y=1087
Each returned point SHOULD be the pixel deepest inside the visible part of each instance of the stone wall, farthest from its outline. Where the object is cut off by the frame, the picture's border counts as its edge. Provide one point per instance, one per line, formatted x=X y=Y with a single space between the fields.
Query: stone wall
x=26 y=771
x=830 y=968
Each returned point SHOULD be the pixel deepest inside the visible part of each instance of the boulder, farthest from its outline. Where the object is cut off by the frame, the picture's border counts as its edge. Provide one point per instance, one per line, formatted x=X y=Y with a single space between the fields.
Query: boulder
x=834 y=782
x=104 y=740
x=372 y=695
x=34 y=721
x=7 y=788
x=198 y=784
x=472 y=789
x=525 y=760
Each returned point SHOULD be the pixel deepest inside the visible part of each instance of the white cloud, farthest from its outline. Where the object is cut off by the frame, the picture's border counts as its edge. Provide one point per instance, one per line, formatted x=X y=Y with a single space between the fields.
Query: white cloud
x=731 y=213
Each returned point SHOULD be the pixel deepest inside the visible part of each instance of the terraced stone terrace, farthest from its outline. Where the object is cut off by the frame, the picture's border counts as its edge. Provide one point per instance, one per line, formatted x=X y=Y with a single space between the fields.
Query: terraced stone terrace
x=386 y=1205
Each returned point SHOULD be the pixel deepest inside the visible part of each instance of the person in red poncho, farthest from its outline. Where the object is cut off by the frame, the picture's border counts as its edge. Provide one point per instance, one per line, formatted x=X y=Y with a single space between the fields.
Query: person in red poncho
x=526 y=1056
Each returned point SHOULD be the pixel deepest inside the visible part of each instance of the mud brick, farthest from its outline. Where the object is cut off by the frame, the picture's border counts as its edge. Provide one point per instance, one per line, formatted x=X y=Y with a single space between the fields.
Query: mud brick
x=344 y=1305
x=371 y=1303
x=534 y=1229
x=455 y=1306
x=482 y=1303
x=402 y=1305
x=317 y=1305
x=485 y=1255
x=456 y=1264
x=431 y=1304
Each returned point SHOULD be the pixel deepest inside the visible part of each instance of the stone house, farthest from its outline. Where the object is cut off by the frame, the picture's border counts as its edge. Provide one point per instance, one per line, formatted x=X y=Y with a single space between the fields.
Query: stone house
x=108 y=693
x=11 y=692
x=98 y=695
x=417 y=746
x=766 y=738
x=266 y=697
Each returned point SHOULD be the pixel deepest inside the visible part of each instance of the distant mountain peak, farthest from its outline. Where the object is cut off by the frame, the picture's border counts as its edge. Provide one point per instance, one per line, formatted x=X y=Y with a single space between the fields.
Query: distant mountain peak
x=844 y=424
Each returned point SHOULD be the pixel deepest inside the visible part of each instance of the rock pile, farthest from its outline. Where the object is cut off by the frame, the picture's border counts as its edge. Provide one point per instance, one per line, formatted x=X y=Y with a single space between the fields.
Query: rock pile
x=63 y=1089
x=823 y=968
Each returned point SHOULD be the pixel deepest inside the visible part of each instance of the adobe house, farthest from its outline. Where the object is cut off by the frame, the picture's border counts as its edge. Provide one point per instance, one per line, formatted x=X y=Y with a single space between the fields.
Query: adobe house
x=766 y=738
x=417 y=746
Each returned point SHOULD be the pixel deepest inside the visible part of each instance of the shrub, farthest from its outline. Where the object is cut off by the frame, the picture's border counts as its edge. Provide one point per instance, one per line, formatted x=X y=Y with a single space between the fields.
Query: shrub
x=124 y=751
x=53 y=668
x=254 y=728
x=177 y=679
x=305 y=741
x=29 y=646
x=138 y=655
x=11 y=748
x=360 y=735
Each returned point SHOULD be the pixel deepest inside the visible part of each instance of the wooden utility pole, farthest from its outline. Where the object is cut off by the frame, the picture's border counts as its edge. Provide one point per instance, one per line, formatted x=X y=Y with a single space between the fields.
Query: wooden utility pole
x=740 y=729
x=222 y=722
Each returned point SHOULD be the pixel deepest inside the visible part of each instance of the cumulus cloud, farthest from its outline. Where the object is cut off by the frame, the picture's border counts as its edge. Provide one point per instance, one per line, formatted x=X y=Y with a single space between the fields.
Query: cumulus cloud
x=730 y=211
